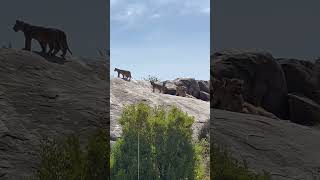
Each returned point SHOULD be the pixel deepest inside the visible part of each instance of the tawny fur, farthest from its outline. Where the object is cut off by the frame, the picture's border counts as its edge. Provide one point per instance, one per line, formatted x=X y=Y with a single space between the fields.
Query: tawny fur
x=155 y=86
x=55 y=38
x=181 y=91
x=125 y=74
x=227 y=94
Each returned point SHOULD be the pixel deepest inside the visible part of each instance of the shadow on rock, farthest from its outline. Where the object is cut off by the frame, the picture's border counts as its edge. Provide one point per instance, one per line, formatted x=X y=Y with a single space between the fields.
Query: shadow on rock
x=53 y=59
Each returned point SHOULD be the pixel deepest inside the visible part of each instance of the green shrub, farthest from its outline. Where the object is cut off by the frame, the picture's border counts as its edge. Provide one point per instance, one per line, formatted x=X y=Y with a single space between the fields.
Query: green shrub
x=203 y=157
x=152 y=79
x=65 y=160
x=166 y=150
x=224 y=167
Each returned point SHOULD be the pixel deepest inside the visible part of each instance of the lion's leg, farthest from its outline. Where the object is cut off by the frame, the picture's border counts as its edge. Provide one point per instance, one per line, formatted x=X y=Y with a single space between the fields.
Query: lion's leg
x=43 y=47
x=51 y=48
x=55 y=52
x=63 y=48
x=57 y=47
x=64 y=52
x=27 y=44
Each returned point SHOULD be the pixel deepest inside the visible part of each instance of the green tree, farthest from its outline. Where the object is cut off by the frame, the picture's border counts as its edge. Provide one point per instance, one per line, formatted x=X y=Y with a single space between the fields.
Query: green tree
x=166 y=150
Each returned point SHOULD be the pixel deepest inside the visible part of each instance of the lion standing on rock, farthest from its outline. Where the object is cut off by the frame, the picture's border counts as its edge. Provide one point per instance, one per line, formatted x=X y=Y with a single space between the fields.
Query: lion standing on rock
x=55 y=38
x=161 y=88
x=124 y=73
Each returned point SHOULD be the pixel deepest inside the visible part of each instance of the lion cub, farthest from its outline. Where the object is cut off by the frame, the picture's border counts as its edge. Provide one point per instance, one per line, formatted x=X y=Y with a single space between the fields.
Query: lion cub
x=227 y=94
x=181 y=91
x=124 y=73
x=161 y=88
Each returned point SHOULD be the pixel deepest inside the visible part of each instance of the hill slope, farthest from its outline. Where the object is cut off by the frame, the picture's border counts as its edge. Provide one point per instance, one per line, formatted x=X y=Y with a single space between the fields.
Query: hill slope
x=285 y=149
x=46 y=98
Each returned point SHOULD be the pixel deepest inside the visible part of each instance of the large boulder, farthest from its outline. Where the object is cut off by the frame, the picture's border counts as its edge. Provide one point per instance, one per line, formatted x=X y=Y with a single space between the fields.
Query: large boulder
x=204 y=86
x=302 y=77
x=170 y=88
x=47 y=98
x=303 y=110
x=204 y=96
x=198 y=89
x=264 y=80
x=191 y=85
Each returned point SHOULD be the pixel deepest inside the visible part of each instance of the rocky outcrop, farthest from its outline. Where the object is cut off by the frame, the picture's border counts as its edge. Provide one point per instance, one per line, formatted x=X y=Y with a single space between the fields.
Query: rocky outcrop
x=170 y=87
x=204 y=96
x=46 y=98
x=125 y=93
x=284 y=149
x=196 y=88
x=302 y=77
x=264 y=80
x=204 y=86
x=191 y=84
x=303 y=110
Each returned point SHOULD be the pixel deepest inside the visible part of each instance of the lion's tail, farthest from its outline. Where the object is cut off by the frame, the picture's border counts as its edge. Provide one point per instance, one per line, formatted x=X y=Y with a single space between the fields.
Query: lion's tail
x=69 y=50
x=67 y=46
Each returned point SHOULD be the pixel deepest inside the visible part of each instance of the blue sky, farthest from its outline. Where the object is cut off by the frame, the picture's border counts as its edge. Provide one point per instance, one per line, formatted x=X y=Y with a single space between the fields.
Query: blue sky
x=163 y=38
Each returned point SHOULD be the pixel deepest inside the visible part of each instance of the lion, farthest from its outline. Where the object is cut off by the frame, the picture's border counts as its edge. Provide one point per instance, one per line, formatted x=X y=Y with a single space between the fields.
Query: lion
x=161 y=88
x=59 y=44
x=55 y=38
x=124 y=73
x=251 y=109
x=181 y=91
x=227 y=95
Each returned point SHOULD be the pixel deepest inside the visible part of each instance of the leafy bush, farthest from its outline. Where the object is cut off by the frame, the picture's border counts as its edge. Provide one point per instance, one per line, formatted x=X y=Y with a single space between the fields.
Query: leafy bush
x=166 y=150
x=64 y=159
x=152 y=79
x=224 y=167
x=203 y=155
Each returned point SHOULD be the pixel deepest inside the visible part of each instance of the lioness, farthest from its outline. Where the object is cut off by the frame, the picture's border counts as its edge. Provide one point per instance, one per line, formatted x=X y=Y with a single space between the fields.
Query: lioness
x=181 y=91
x=227 y=94
x=161 y=88
x=59 y=44
x=55 y=38
x=125 y=74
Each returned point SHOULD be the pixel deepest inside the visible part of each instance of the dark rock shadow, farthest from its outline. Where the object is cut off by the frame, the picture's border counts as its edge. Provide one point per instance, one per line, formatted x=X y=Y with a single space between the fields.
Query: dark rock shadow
x=53 y=59
x=126 y=79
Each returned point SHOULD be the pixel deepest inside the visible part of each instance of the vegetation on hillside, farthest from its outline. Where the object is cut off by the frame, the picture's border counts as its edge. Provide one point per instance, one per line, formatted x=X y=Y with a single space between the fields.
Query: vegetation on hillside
x=151 y=78
x=224 y=167
x=65 y=160
x=166 y=150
